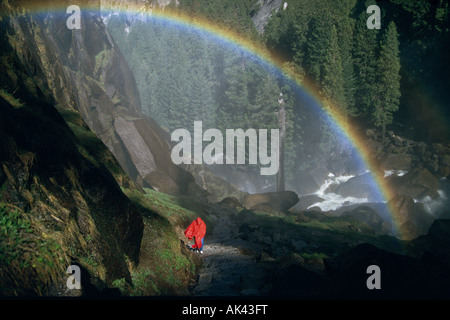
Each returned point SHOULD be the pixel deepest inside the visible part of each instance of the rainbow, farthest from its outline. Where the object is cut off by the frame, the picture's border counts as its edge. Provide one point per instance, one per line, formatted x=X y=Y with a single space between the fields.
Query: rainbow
x=231 y=38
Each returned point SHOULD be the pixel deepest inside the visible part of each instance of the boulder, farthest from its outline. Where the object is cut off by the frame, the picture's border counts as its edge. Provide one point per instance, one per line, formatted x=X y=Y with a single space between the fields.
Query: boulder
x=399 y=161
x=271 y=201
x=411 y=218
x=140 y=154
x=162 y=183
x=230 y=202
x=361 y=186
x=306 y=201
x=216 y=186
x=417 y=184
x=370 y=217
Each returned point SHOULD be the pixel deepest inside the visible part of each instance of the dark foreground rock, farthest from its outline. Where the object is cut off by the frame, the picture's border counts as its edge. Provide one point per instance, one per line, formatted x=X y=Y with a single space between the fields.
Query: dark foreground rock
x=73 y=203
x=436 y=244
x=402 y=277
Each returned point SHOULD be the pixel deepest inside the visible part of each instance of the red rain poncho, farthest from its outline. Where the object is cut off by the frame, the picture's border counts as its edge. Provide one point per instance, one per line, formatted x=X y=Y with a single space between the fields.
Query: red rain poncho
x=196 y=229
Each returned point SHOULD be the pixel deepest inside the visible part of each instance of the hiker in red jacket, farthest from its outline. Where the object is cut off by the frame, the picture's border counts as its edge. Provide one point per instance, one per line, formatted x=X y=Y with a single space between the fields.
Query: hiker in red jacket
x=196 y=230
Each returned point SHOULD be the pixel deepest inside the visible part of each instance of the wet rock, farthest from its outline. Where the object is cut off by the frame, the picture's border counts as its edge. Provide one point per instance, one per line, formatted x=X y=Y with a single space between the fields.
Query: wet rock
x=370 y=217
x=361 y=186
x=230 y=202
x=400 y=161
x=417 y=184
x=411 y=217
x=306 y=201
x=162 y=183
x=272 y=201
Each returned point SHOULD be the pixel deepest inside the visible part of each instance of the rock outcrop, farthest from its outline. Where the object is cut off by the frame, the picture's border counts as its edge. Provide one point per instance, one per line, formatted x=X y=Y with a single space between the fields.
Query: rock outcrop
x=370 y=217
x=86 y=72
x=264 y=13
x=417 y=184
x=58 y=180
x=271 y=201
x=411 y=218
x=49 y=177
x=361 y=186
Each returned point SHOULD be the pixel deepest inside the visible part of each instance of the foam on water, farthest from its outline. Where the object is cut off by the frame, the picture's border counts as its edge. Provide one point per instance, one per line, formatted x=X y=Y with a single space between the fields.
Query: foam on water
x=333 y=201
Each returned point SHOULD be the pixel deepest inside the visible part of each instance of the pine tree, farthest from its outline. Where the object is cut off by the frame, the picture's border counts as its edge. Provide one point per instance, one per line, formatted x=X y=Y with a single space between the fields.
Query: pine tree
x=332 y=77
x=365 y=57
x=235 y=100
x=317 y=48
x=389 y=80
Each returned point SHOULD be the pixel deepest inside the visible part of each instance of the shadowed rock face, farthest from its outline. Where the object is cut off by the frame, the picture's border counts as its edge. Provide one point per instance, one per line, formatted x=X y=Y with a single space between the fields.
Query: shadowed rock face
x=49 y=169
x=401 y=276
x=69 y=197
x=86 y=72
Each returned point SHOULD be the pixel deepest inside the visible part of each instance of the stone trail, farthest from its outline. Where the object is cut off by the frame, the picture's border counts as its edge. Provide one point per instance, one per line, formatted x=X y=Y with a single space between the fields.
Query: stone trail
x=225 y=270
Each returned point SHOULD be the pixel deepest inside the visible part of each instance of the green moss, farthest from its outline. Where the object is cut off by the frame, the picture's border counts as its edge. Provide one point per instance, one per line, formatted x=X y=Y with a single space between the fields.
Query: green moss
x=313 y=256
x=143 y=284
x=178 y=210
x=101 y=59
x=164 y=268
x=30 y=262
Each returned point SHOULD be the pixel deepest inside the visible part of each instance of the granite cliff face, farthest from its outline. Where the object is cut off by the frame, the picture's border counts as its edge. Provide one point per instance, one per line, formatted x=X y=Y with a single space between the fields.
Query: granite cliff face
x=86 y=73
x=61 y=204
x=61 y=201
x=264 y=13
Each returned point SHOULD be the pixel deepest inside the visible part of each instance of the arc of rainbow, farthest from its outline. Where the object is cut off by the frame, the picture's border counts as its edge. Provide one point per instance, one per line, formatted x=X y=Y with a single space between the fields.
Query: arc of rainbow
x=253 y=48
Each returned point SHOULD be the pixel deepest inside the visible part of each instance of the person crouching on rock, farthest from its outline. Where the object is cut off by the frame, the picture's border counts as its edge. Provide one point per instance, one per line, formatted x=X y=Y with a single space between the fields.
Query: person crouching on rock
x=196 y=230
